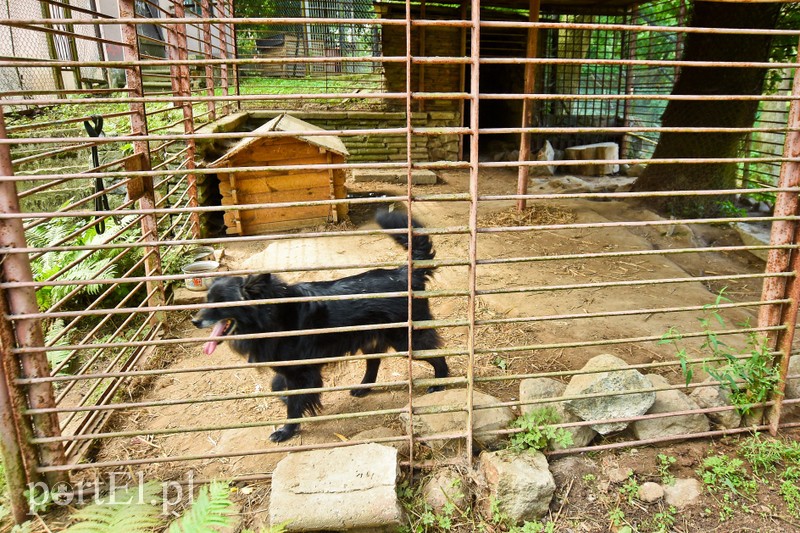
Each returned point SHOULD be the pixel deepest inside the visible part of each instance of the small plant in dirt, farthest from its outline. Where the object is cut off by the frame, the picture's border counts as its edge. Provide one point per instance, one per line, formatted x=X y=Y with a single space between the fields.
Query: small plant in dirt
x=726 y=475
x=664 y=462
x=661 y=522
x=538 y=429
x=630 y=490
x=750 y=378
x=775 y=456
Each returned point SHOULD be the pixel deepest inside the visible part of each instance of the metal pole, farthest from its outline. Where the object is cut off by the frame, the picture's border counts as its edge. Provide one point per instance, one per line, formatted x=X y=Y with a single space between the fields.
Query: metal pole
x=143 y=189
x=527 y=105
x=472 y=301
x=17 y=267
x=11 y=441
x=185 y=89
x=208 y=51
x=784 y=260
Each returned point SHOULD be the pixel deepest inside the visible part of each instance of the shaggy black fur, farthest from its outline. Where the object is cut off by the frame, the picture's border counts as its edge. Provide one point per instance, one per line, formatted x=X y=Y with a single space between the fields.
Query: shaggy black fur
x=245 y=318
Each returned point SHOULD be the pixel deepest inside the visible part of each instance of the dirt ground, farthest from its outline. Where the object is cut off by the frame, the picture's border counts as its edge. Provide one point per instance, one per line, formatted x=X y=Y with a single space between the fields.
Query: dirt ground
x=570 y=338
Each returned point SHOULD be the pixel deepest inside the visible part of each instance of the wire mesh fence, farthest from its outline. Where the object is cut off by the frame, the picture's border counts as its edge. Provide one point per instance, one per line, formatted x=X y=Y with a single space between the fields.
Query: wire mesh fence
x=266 y=144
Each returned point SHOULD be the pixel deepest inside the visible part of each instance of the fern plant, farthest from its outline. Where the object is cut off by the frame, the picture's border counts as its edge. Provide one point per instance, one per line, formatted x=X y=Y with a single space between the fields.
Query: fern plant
x=78 y=265
x=209 y=512
x=129 y=509
x=137 y=510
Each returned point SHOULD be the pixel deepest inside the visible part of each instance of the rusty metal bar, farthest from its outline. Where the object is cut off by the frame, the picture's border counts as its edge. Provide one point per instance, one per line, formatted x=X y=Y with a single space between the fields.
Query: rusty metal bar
x=209 y=70
x=28 y=332
x=18 y=455
x=784 y=260
x=141 y=148
x=472 y=273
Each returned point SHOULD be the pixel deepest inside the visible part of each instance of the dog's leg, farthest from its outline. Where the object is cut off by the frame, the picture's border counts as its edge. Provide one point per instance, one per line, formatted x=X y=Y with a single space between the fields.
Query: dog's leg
x=299 y=404
x=370 y=376
x=278 y=385
x=430 y=340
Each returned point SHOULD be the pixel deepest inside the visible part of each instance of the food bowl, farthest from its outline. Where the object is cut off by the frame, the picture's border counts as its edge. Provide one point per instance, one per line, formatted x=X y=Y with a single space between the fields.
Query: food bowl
x=201 y=253
x=200 y=267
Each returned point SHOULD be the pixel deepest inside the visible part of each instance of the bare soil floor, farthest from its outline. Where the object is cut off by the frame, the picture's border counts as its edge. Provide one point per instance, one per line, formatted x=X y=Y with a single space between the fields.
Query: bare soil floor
x=581 y=506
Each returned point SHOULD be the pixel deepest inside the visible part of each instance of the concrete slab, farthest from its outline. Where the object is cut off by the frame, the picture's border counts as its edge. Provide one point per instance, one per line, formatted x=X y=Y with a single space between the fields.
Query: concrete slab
x=388 y=175
x=341 y=489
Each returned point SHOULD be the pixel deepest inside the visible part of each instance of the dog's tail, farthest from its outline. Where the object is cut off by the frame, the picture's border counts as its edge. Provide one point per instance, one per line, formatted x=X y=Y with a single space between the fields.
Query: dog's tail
x=421 y=245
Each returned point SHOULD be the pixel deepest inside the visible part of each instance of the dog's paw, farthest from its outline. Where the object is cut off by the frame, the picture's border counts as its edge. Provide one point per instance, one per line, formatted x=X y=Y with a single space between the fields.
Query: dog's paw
x=436 y=388
x=284 y=433
x=359 y=393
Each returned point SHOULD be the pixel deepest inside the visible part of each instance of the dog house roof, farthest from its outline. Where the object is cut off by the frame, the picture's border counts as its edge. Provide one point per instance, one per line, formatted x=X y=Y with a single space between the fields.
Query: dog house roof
x=285 y=123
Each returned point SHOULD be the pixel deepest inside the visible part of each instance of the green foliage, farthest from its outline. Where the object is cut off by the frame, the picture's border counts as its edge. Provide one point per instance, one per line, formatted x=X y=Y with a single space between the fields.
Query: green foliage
x=663 y=521
x=664 y=462
x=721 y=473
x=129 y=510
x=750 y=379
x=78 y=265
x=630 y=490
x=209 y=511
x=537 y=430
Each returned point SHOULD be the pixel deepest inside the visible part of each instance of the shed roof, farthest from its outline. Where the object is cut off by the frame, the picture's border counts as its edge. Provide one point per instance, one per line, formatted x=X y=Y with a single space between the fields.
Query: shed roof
x=286 y=123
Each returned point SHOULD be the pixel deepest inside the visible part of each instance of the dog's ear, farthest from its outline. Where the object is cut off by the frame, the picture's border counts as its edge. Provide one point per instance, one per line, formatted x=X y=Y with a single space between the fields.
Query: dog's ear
x=252 y=287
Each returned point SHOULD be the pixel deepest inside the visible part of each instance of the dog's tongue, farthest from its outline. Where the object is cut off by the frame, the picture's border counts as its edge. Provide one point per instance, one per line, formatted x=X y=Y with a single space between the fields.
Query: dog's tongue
x=210 y=346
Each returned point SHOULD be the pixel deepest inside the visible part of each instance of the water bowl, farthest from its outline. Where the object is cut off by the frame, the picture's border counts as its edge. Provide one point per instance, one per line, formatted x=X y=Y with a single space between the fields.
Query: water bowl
x=200 y=267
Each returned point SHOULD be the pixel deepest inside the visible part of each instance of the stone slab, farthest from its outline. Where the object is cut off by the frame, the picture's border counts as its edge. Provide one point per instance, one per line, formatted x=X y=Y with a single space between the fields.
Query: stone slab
x=340 y=489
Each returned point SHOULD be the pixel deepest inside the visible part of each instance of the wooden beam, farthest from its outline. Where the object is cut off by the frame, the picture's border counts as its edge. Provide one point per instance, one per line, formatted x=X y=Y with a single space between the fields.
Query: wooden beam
x=527 y=105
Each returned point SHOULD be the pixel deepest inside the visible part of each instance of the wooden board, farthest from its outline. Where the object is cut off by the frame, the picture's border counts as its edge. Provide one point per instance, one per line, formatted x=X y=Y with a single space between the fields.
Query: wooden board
x=255 y=183
x=294 y=195
x=263 y=154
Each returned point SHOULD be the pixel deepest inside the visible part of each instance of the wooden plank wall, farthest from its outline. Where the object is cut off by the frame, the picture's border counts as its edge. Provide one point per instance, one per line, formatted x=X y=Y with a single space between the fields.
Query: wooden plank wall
x=261 y=187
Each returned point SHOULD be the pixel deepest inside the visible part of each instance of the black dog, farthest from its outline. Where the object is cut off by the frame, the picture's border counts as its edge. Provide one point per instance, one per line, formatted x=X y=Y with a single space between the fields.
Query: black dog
x=248 y=319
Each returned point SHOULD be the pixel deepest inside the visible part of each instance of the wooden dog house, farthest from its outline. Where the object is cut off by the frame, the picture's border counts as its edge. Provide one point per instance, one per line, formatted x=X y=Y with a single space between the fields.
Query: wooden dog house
x=266 y=186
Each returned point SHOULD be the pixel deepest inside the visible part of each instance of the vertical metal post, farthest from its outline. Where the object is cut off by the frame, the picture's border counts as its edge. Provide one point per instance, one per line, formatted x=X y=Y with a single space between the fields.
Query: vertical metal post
x=474 y=97
x=28 y=332
x=629 y=40
x=235 y=47
x=208 y=50
x=15 y=431
x=784 y=232
x=141 y=149
x=422 y=52
x=223 y=38
x=409 y=256
x=185 y=91
x=527 y=104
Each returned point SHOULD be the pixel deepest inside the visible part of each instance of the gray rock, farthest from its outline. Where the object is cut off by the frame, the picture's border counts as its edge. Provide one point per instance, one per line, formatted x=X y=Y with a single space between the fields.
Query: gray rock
x=519 y=481
x=635 y=171
x=337 y=489
x=445 y=486
x=619 y=475
x=792 y=391
x=538 y=388
x=546 y=153
x=433 y=423
x=670 y=401
x=650 y=492
x=710 y=396
x=571 y=467
x=614 y=376
x=685 y=492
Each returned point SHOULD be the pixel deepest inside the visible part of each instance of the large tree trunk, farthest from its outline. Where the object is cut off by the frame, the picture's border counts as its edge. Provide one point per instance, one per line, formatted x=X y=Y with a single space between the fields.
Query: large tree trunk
x=723 y=113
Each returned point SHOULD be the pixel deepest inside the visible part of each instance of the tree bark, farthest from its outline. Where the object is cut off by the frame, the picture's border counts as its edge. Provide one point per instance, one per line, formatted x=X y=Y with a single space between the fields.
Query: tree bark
x=700 y=113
